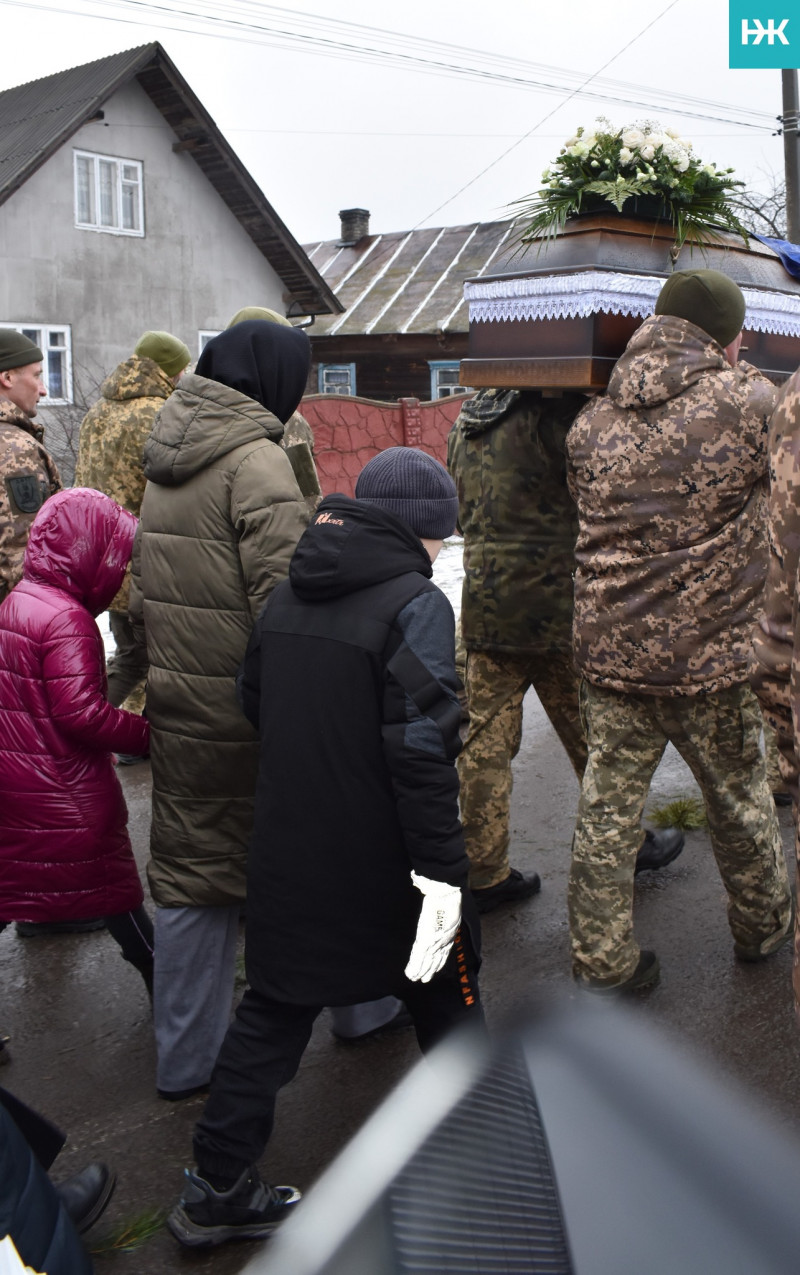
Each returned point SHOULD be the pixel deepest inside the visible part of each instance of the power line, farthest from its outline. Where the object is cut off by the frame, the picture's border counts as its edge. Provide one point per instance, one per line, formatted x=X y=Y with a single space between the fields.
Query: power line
x=549 y=115
x=695 y=108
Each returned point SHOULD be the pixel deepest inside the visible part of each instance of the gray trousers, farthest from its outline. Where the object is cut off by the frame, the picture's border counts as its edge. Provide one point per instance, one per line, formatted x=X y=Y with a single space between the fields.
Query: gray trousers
x=195 y=966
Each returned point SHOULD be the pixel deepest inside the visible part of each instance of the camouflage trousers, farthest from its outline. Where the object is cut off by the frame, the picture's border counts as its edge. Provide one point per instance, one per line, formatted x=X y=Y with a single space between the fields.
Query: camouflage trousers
x=496 y=684
x=127 y=668
x=718 y=737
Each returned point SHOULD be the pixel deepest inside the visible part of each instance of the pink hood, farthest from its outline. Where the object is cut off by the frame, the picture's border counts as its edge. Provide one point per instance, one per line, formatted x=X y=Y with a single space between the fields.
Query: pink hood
x=81 y=542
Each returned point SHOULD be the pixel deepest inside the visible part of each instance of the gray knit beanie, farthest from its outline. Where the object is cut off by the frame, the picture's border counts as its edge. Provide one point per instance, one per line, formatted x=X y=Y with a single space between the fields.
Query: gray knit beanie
x=413 y=486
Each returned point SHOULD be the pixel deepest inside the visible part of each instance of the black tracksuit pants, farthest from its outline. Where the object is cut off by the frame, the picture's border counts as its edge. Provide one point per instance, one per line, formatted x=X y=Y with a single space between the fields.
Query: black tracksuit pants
x=266 y=1041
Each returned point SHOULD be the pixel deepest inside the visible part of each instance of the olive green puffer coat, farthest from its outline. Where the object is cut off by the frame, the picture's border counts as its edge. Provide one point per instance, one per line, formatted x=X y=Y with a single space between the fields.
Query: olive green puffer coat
x=220 y=518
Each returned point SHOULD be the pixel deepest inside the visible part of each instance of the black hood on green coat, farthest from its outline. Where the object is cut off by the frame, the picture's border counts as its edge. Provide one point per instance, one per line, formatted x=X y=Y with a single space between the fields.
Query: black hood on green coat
x=200 y=422
x=351 y=545
x=265 y=361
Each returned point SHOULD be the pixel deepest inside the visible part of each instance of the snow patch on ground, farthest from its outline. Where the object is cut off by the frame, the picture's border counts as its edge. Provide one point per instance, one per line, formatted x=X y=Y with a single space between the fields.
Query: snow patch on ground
x=448 y=571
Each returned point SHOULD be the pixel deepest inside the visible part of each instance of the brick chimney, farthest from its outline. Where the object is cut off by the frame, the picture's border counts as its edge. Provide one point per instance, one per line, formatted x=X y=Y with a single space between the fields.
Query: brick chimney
x=355 y=225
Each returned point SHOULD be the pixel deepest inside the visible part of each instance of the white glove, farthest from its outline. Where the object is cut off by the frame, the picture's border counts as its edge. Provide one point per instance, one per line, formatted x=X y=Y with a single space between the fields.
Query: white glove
x=437 y=927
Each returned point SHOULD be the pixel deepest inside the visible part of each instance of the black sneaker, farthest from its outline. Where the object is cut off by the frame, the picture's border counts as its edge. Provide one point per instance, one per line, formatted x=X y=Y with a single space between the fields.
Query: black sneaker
x=516 y=887
x=659 y=849
x=32 y=929
x=131 y=759
x=249 y=1210
x=646 y=974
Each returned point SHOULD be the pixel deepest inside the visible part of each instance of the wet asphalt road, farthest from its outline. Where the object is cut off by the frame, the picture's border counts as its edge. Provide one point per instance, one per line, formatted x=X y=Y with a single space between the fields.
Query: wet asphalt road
x=81 y=1036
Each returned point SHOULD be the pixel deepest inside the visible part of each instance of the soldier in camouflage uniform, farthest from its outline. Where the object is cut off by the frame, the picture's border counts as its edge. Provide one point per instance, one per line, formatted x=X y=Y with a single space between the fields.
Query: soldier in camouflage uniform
x=113 y=434
x=668 y=471
x=29 y=473
x=506 y=454
x=775 y=662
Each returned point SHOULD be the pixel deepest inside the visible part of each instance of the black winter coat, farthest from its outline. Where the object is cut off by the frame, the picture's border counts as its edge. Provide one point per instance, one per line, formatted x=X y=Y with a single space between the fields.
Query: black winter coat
x=350 y=679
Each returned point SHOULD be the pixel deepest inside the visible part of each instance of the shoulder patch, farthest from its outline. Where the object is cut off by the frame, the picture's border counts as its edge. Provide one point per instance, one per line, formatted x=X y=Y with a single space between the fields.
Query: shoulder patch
x=25 y=493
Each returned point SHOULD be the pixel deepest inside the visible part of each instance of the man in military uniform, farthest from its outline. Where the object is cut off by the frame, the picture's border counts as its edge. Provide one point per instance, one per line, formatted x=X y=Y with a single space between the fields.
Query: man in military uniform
x=506 y=454
x=113 y=435
x=775 y=661
x=29 y=473
x=667 y=470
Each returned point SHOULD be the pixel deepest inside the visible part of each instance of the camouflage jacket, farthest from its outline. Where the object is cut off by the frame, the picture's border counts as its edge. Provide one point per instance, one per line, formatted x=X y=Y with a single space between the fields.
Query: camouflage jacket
x=298 y=430
x=28 y=475
x=506 y=455
x=113 y=434
x=775 y=663
x=668 y=471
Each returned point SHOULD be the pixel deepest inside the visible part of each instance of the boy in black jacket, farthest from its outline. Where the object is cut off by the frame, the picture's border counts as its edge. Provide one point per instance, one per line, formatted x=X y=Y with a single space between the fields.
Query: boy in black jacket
x=349 y=677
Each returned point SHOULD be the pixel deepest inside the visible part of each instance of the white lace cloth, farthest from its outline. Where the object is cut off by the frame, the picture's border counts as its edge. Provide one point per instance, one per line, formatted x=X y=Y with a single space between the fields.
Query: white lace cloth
x=571 y=296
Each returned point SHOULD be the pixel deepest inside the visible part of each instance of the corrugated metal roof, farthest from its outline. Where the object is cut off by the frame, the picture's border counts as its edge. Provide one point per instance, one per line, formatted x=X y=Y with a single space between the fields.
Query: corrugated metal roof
x=39 y=117
x=406 y=282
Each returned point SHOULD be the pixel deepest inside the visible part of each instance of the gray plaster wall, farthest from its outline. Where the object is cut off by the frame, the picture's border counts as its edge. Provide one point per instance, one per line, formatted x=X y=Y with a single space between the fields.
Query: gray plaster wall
x=194 y=267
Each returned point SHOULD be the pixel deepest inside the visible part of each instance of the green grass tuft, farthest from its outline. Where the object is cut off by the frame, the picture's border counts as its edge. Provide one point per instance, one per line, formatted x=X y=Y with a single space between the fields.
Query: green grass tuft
x=681 y=812
x=130 y=1233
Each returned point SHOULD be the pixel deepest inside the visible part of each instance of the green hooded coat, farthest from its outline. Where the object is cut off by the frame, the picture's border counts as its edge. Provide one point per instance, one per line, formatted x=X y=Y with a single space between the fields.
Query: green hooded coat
x=220 y=518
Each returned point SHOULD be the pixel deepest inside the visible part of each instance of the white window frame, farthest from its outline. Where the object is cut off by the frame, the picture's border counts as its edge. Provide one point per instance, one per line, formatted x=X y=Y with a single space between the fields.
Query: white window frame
x=204 y=335
x=119 y=160
x=42 y=339
x=350 y=368
x=444 y=365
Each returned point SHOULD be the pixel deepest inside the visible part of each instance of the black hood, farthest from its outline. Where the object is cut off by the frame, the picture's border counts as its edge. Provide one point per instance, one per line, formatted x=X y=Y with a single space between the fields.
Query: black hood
x=265 y=361
x=351 y=545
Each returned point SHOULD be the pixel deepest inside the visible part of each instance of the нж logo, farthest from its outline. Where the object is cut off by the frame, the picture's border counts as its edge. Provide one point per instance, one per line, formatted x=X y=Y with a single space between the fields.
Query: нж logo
x=760 y=37
x=758 y=30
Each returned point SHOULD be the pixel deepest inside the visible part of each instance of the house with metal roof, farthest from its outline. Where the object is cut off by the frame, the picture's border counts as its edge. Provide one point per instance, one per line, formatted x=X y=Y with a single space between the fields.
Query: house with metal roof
x=123 y=208
x=403 y=330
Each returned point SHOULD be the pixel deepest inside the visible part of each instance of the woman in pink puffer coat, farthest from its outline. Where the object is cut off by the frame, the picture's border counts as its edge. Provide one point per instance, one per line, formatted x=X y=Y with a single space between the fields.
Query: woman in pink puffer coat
x=64 y=846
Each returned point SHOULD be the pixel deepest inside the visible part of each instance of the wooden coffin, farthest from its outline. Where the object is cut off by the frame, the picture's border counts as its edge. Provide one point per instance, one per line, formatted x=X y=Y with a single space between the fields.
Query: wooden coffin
x=559 y=316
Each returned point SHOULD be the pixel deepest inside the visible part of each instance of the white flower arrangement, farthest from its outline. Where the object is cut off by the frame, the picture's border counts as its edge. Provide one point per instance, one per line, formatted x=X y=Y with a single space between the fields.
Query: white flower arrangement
x=605 y=164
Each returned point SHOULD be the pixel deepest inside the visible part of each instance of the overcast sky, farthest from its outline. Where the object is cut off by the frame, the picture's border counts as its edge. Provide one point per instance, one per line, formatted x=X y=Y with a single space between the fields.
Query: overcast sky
x=323 y=129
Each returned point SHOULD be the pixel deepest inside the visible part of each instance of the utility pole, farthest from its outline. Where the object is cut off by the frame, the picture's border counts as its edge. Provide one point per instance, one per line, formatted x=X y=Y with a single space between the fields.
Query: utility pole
x=791 y=113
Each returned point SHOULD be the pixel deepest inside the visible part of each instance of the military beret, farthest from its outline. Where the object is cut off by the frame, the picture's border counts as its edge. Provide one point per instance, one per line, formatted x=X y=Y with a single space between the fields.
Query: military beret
x=258 y=312
x=166 y=350
x=17 y=350
x=707 y=298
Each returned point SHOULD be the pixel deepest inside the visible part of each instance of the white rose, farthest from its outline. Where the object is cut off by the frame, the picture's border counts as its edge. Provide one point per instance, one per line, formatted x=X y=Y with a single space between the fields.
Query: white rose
x=632 y=137
x=682 y=163
x=654 y=139
x=625 y=156
x=571 y=140
x=648 y=152
x=672 y=132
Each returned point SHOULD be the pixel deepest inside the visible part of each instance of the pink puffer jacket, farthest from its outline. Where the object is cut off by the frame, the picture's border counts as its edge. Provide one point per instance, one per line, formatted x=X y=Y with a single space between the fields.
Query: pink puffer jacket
x=64 y=846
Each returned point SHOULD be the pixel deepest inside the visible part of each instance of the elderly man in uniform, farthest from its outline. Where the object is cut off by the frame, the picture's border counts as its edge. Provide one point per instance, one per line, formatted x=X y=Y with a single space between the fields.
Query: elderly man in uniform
x=667 y=470
x=506 y=454
x=113 y=434
x=29 y=473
